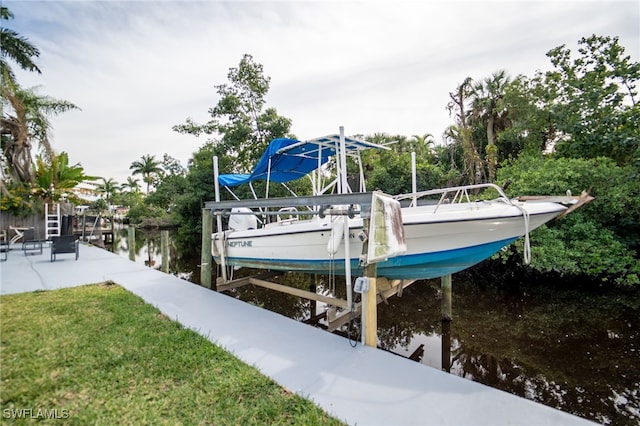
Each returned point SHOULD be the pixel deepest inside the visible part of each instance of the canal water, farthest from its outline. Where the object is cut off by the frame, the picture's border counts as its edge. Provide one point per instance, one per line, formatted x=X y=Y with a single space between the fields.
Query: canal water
x=569 y=347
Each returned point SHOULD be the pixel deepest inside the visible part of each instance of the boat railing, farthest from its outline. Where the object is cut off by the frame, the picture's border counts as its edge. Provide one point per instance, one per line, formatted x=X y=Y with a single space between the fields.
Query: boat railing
x=453 y=195
x=288 y=215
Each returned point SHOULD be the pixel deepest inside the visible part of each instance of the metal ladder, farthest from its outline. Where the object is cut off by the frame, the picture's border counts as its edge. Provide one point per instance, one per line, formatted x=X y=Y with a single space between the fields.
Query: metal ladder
x=52 y=221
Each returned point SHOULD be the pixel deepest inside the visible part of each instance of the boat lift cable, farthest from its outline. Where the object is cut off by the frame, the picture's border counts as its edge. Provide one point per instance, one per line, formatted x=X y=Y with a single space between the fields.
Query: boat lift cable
x=527 y=242
x=352 y=315
x=525 y=215
x=332 y=249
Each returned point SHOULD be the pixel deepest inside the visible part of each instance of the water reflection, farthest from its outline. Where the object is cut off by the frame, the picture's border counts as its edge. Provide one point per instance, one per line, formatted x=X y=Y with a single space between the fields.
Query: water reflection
x=569 y=349
x=573 y=349
x=445 y=344
x=147 y=250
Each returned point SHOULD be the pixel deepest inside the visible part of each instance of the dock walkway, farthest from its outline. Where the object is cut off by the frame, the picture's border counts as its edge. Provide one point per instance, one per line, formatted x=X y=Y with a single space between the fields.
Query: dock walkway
x=360 y=385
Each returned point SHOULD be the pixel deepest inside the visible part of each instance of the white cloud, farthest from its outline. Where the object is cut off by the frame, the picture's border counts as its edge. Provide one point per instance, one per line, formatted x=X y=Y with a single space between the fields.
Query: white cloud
x=138 y=68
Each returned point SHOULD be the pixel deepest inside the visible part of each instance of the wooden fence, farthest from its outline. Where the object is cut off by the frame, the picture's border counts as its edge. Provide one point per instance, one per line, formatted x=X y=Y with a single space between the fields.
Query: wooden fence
x=36 y=221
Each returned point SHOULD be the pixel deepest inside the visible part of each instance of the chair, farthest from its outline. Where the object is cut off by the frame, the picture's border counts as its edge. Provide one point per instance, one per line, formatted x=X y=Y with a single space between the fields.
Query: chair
x=4 y=250
x=29 y=242
x=64 y=244
x=19 y=234
x=4 y=245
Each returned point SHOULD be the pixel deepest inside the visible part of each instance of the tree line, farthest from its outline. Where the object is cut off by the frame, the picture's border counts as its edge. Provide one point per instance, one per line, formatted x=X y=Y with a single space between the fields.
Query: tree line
x=575 y=127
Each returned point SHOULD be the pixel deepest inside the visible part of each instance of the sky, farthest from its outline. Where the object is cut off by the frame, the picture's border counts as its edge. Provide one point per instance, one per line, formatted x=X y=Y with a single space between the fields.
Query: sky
x=137 y=68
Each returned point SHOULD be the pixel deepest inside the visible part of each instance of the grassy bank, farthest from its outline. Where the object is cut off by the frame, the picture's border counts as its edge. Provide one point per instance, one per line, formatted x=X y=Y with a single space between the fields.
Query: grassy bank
x=100 y=355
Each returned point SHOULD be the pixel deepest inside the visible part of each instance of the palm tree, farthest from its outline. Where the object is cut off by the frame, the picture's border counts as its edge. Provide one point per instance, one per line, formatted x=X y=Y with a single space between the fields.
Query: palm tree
x=25 y=114
x=399 y=144
x=487 y=108
x=132 y=185
x=109 y=188
x=380 y=138
x=425 y=139
x=148 y=167
x=452 y=138
x=421 y=144
x=16 y=48
x=25 y=119
x=131 y=194
x=473 y=167
x=56 y=178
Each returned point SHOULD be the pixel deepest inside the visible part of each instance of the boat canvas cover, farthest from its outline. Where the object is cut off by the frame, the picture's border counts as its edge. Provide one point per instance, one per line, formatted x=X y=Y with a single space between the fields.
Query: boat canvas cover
x=289 y=159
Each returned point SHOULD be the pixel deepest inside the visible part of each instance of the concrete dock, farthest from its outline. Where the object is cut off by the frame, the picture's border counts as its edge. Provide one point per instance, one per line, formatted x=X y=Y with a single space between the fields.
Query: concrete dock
x=360 y=385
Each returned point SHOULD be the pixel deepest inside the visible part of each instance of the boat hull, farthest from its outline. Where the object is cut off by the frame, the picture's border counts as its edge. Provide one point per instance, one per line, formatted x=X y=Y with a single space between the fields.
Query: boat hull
x=440 y=241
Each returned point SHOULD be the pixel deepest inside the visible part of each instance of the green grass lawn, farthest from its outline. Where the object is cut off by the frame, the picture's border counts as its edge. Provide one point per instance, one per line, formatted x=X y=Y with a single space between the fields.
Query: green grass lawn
x=100 y=355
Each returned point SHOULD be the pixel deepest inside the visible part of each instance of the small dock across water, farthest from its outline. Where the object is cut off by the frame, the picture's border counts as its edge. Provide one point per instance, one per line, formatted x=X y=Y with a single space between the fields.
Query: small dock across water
x=360 y=385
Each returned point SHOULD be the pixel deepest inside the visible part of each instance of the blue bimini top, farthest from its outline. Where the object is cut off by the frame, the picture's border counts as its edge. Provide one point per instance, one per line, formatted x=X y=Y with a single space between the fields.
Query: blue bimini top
x=289 y=159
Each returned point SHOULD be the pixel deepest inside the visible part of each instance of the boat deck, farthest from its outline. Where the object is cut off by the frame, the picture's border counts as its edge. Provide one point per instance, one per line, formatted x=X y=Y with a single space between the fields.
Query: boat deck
x=360 y=385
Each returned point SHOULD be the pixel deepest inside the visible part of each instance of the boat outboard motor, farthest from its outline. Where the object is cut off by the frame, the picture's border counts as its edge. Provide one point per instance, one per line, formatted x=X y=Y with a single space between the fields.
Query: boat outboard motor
x=244 y=218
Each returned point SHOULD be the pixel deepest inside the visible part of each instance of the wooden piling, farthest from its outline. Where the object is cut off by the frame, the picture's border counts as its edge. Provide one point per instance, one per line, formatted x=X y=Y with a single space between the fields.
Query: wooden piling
x=446 y=346
x=131 y=240
x=205 y=256
x=370 y=299
x=370 y=312
x=312 y=289
x=164 y=244
x=445 y=282
x=109 y=237
x=84 y=230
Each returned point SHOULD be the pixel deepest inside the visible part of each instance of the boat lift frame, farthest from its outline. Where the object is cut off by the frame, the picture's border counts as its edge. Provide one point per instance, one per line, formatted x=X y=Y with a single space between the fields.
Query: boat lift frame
x=348 y=203
x=341 y=311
